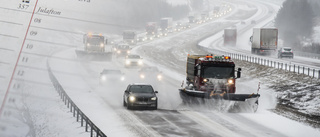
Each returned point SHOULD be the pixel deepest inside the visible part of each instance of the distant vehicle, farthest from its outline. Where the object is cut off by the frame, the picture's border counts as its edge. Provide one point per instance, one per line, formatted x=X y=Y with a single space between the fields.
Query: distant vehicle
x=192 y=19
x=111 y=76
x=130 y=37
x=152 y=30
x=285 y=52
x=264 y=40
x=230 y=37
x=140 y=95
x=178 y=27
x=166 y=25
x=95 y=48
x=121 y=49
x=133 y=60
x=186 y=25
x=94 y=42
x=150 y=73
x=141 y=39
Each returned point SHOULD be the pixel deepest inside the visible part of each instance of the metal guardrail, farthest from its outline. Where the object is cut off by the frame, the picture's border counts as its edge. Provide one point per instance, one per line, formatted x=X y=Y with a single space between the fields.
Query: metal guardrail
x=313 y=73
x=94 y=130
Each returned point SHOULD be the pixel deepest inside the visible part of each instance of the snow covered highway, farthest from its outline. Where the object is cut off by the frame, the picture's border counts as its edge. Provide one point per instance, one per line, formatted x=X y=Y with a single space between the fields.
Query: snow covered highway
x=44 y=35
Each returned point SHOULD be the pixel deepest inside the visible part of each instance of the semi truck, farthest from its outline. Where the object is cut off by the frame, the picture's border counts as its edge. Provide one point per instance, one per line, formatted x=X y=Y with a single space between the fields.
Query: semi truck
x=230 y=37
x=213 y=77
x=95 y=47
x=166 y=25
x=130 y=37
x=264 y=41
x=152 y=30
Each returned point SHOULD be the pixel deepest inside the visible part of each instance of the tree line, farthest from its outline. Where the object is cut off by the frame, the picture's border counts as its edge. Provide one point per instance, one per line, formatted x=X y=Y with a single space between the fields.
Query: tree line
x=295 y=21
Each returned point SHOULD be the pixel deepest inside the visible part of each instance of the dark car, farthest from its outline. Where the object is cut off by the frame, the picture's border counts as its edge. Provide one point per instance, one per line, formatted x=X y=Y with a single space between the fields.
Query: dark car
x=140 y=95
x=150 y=73
x=285 y=52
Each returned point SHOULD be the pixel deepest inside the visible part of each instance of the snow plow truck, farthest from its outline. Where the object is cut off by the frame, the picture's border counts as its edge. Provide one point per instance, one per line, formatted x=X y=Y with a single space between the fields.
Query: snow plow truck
x=213 y=77
x=95 y=48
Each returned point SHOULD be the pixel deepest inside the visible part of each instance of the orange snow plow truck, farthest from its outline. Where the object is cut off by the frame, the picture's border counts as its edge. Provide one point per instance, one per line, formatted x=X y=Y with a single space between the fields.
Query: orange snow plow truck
x=213 y=77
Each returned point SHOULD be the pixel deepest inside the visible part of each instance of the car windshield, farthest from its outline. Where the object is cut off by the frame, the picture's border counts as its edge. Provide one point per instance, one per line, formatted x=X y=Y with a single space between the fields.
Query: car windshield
x=287 y=49
x=134 y=56
x=218 y=72
x=141 y=89
x=95 y=40
x=123 y=47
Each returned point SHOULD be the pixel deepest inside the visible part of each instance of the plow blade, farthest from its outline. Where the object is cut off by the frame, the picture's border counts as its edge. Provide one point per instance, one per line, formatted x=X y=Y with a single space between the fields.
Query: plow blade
x=226 y=96
x=94 y=56
x=238 y=102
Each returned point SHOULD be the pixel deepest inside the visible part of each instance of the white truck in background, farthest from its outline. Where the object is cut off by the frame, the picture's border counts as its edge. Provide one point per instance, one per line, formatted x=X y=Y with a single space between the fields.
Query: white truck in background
x=166 y=25
x=130 y=37
x=264 y=41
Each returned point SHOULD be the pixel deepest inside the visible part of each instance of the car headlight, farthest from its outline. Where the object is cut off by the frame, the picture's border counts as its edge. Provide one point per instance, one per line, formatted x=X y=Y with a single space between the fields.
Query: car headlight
x=159 y=77
x=142 y=76
x=122 y=78
x=103 y=77
x=128 y=51
x=128 y=62
x=101 y=45
x=132 y=98
x=115 y=49
x=140 y=62
x=205 y=80
x=154 y=98
x=119 y=51
x=230 y=81
x=88 y=44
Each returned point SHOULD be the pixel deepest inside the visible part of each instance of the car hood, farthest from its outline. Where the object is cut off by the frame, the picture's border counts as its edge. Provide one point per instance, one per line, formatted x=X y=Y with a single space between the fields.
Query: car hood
x=146 y=95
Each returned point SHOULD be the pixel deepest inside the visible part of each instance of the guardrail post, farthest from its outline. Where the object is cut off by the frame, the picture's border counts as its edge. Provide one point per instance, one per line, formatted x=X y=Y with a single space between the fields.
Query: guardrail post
x=74 y=111
x=285 y=67
x=294 y=68
x=86 y=125
x=303 y=70
x=91 y=130
x=308 y=71
x=313 y=73
x=318 y=74
x=81 y=120
x=298 y=69
x=77 y=115
x=274 y=65
x=289 y=67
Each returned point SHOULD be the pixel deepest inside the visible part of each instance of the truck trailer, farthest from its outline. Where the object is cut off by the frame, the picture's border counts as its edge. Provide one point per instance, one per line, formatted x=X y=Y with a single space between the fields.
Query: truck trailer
x=230 y=37
x=166 y=25
x=264 y=41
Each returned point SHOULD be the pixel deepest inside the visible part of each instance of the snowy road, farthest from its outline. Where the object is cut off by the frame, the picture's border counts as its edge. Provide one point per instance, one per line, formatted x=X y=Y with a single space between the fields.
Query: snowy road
x=55 y=40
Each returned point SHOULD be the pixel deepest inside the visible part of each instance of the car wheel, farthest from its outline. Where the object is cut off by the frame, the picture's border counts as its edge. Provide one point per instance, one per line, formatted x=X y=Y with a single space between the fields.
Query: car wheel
x=128 y=106
x=124 y=103
x=156 y=107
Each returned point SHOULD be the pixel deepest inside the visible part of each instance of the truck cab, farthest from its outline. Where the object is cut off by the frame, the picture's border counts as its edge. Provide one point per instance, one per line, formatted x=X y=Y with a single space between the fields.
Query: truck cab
x=94 y=42
x=211 y=73
x=130 y=37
